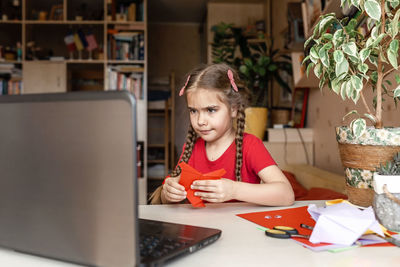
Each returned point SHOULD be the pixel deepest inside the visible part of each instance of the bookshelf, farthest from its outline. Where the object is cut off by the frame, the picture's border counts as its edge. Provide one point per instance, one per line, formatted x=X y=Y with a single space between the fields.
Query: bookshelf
x=73 y=45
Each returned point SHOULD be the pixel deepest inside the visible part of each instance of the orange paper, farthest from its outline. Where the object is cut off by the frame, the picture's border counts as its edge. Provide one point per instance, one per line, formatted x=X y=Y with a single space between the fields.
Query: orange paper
x=189 y=174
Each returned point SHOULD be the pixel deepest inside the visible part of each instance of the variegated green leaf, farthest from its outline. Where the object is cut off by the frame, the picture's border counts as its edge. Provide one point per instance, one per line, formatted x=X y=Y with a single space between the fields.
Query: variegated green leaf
x=397 y=77
x=338 y=56
x=373 y=9
x=375 y=33
x=359 y=127
x=337 y=38
x=355 y=96
x=336 y=83
x=356 y=82
x=342 y=67
x=394 y=3
x=314 y=55
x=364 y=54
x=392 y=52
x=323 y=55
x=350 y=113
x=370 y=117
x=355 y=3
x=324 y=22
x=362 y=68
x=396 y=92
x=318 y=70
x=343 y=90
x=350 y=49
x=395 y=24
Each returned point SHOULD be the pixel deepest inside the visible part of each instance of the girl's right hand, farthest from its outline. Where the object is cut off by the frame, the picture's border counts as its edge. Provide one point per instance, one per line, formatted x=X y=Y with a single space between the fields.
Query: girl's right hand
x=172 y=191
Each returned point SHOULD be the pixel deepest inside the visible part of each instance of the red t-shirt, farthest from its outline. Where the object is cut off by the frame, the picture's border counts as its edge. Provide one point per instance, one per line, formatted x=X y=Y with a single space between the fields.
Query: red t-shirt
x=255 y=158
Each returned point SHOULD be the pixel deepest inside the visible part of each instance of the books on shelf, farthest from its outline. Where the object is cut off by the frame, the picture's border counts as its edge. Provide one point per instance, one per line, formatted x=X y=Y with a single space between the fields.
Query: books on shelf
x=125 y=45
x=130 y=81
x=10 y=79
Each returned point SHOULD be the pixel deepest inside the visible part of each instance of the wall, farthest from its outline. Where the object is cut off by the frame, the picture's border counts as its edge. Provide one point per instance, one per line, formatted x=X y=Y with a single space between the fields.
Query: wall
x=177 y=47
x=325 y=111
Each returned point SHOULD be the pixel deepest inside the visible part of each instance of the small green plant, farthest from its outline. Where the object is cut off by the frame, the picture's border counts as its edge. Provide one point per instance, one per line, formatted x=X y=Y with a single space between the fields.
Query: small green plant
x=391 y=167
x=258 y=63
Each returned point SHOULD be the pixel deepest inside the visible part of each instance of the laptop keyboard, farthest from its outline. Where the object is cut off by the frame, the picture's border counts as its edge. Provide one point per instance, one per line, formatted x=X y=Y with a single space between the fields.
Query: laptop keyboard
x=156 y=247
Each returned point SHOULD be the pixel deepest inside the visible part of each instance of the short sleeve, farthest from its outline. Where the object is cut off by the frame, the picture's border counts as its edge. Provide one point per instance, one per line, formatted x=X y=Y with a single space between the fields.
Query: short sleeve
x=256 y=154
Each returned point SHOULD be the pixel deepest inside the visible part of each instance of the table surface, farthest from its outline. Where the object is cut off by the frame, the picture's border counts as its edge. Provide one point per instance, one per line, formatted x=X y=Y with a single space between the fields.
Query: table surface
x=241 y=243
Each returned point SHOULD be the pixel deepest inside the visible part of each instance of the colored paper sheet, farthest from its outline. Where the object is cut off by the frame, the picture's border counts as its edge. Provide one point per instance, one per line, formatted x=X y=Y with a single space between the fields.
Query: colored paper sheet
x=293 y=217
x=189 y=174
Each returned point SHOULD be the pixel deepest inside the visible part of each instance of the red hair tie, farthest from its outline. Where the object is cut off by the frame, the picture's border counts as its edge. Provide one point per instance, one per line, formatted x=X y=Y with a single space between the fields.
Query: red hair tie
x=232 y=80
x=182 y=91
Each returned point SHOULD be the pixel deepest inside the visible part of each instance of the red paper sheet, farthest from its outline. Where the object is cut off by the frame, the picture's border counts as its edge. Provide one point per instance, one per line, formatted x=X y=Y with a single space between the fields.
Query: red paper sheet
x=292 y=217
x=189 y=174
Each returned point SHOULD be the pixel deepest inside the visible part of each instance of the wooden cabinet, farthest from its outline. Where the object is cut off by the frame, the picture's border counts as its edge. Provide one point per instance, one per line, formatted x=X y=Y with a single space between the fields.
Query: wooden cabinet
x=74 y=45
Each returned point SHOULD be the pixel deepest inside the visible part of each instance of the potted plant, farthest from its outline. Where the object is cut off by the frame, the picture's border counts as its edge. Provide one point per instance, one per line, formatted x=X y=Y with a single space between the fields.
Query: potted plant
x=258 y=64
x=351 y=63
x=387 y=193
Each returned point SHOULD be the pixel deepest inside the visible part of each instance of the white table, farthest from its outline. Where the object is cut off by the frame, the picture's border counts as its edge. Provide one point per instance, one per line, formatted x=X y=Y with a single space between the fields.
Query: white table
x=241 y=243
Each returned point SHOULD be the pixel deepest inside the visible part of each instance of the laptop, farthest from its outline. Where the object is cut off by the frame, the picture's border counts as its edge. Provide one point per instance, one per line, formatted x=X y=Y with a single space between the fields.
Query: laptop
x=68 y=183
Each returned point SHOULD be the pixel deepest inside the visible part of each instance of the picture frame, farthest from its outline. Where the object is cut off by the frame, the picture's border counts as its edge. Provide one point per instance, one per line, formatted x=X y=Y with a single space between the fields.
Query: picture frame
x=57 y=12
x=299 y=107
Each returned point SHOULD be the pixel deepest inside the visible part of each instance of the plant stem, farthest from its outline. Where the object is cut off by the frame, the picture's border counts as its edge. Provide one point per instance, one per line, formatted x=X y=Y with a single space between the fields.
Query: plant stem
x=378 y=111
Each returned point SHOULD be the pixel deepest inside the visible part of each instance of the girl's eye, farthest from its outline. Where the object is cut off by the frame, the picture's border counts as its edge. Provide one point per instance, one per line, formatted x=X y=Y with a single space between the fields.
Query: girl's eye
x=192 y=111
x=211 y=110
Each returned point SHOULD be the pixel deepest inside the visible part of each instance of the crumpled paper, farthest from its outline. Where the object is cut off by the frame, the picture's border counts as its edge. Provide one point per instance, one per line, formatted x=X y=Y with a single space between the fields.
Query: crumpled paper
x=342 y=223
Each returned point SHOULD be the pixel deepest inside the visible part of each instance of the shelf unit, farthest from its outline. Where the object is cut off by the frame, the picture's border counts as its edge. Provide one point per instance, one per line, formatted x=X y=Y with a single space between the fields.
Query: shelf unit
x=161 y=127
x=42 y=56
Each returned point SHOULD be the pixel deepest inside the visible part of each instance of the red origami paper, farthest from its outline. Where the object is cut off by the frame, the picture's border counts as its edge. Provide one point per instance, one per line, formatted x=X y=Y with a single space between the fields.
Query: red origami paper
x=189 y=174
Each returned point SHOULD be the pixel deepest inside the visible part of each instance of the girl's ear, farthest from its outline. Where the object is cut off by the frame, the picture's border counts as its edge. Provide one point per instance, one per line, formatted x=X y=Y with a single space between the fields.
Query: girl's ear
x=234 y=112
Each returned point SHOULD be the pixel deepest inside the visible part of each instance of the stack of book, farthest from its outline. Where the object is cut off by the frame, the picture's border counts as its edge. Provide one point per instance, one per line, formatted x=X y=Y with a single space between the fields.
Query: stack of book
x=10 y=80
x=125 y=45
x=121 y=79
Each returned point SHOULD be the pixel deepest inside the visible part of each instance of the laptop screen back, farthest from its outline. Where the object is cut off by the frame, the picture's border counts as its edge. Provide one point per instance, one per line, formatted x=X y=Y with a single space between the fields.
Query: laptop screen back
x=68 y=178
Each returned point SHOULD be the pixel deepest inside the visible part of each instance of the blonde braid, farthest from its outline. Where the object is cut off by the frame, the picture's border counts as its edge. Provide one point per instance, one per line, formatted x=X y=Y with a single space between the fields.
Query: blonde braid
x=239 y=141
x=190 y=141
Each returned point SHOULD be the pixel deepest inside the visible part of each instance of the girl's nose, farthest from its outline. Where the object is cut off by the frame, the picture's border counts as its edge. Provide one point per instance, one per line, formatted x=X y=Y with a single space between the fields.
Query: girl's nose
x=201 y=120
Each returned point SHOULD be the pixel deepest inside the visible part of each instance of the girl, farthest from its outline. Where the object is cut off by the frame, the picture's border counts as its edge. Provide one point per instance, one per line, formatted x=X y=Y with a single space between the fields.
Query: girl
x=214 y=102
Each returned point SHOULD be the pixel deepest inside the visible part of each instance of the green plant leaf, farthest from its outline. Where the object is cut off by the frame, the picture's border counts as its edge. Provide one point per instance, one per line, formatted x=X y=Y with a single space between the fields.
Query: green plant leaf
x=342 y=67
x=349 y=89
x=364 y=54
x=355 y=96
x=336 y=83
x=314 y=55
x=318 y=70
x=325 y=21
x=392 y=53
x=357 y=83
x=337 y=39
x=309 y=67
x=343 y=89
x=350 y=113
x=362 y=68
x=359 y=127
x=355 y=3
x=338 y=56
x=350 y=49
x=373 y=9
x=395 y=24
x=396 y=92
x=323 y=55
x=370 y=117
x=397 y=77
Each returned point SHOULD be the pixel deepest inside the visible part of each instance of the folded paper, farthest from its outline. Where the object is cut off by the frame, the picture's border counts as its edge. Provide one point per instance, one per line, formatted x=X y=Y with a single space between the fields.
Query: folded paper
x=189 y=174
x=342 y=223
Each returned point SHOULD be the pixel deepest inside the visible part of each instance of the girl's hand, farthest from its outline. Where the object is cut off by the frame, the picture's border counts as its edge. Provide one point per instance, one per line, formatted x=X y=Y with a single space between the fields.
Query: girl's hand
x=172 y=191
x=215 y=190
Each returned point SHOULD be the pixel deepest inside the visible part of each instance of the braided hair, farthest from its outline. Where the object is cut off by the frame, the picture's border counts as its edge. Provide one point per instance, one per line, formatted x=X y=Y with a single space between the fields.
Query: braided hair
x=215 y=77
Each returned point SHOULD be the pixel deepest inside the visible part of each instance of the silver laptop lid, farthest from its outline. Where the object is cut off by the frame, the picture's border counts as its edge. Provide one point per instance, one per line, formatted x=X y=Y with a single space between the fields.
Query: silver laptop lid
x=68 y=179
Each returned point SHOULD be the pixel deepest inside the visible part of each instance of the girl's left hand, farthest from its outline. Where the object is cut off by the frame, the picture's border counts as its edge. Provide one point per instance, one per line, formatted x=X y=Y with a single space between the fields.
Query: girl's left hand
x=220 y=190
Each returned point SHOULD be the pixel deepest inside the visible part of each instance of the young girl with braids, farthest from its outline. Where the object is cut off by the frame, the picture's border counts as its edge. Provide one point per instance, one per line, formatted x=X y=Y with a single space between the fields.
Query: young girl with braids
x=214 y=102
